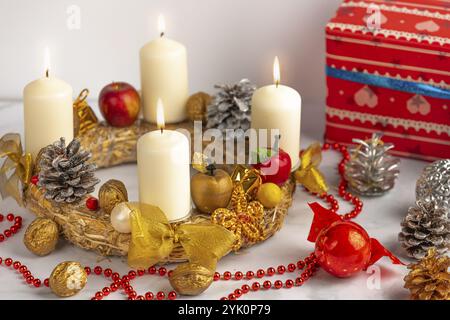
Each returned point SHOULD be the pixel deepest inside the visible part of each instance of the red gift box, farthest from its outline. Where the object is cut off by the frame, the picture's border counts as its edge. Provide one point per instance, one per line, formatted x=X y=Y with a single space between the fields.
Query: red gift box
x=388 y=70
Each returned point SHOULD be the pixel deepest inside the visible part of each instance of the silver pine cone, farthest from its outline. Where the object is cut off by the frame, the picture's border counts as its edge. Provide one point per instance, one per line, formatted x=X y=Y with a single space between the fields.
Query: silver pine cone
x=230 y=108
x=65 y=174
x=371 y=171
x=425 y=227
x=434 y=183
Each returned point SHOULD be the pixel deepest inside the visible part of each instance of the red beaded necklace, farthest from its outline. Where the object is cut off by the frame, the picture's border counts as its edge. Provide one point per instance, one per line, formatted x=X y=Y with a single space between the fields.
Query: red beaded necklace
x=308 y=266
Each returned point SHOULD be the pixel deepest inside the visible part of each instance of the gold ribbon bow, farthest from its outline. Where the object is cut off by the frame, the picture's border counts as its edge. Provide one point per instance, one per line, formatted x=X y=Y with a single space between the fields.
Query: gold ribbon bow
x=308 y=174
x=84 y=117
x=21 y=163
x=242 y=218
x=153 y=239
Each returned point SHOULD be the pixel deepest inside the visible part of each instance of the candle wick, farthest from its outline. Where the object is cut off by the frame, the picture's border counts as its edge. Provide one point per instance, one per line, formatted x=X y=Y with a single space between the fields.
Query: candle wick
x=162 y=130
x=46 y=73
x=162 y=34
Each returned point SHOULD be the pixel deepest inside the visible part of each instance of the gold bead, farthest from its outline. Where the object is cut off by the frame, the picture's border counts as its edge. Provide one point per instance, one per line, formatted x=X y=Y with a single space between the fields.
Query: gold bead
x=67 y=279
x=191 y=279
x=112 y=193
x=41 y=236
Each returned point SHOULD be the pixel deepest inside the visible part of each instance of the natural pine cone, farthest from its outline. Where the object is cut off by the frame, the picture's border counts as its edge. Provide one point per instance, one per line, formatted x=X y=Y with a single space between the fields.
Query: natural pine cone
x=425 y=227
x=430 y=278
x=65 y=174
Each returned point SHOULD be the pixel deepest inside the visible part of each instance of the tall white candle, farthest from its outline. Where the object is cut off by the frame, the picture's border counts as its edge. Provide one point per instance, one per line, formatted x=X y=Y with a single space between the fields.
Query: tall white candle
x=164 y=170
x=48 y=112
x=279 y=107
x=164 y=75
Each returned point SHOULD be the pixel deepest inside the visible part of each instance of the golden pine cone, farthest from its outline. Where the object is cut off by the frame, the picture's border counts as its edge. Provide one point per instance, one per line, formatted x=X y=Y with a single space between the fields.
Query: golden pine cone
x=41 y=236
x=196 y=106
x=112 y=193
x=191 y=279
x=429 y=279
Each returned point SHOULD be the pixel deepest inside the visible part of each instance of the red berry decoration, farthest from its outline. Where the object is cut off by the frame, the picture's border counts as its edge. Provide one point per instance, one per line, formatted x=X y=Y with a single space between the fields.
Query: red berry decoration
x=34 y=180
x=92 y=204
x=274 y=164
x=343 y=248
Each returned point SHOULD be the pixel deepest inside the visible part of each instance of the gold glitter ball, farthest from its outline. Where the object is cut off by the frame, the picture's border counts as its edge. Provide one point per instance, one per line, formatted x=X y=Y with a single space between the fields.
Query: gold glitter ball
x=67 y=279
x=112 y=193
x=191 y=279
x=41 y=236
x=196 y=106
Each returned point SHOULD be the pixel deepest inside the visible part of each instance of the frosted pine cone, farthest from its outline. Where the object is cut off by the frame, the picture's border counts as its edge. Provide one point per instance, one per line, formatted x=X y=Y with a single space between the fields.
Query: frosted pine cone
x=425 y=227
x=65 y=174
x=371 y=171
x=231 y=107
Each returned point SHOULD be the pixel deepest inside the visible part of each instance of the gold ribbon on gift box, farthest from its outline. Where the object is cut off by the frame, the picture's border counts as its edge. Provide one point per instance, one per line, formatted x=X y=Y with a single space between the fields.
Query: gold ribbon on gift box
x=308 y=174
x=17 y=164
x=153 y=238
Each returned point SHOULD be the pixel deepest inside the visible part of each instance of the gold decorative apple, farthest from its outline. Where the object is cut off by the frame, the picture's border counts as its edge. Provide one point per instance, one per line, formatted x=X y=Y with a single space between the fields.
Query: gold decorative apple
x=211 y=190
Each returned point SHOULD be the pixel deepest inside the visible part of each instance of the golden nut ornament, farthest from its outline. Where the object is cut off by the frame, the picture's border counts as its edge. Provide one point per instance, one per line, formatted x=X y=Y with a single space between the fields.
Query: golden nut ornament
x=112 y=193
x=191 y=279
x=67 y=279
x=41 y=236
x=269 y=194
x=196 y=106
x=211 y=190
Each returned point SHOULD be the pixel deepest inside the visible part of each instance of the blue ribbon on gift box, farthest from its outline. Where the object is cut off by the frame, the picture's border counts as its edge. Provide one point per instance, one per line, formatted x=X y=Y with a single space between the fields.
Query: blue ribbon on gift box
x=389 y=83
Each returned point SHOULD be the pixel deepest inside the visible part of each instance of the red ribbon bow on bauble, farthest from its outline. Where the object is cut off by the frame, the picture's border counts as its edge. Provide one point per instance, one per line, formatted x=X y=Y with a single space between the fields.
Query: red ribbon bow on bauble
x=343 y=248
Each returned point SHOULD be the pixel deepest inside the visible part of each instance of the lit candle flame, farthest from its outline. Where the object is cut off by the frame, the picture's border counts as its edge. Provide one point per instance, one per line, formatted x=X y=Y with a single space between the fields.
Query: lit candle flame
x=46 y=61
x=160 y=115
x=161 y=25
x=276 y=72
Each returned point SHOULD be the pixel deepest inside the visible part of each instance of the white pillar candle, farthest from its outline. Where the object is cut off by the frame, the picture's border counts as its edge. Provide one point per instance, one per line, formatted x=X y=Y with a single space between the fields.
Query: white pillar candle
x=164 y=75
x=48 y=112
x=279 y=107
x=164 y=170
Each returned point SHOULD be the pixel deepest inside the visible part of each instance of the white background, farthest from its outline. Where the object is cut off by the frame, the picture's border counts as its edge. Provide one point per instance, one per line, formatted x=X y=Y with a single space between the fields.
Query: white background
x=227 y=40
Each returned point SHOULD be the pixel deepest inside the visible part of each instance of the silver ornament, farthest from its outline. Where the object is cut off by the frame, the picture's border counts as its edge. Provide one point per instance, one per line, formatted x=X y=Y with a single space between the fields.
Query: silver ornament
x=371 y=171
x=230 y=108
x=434 y=184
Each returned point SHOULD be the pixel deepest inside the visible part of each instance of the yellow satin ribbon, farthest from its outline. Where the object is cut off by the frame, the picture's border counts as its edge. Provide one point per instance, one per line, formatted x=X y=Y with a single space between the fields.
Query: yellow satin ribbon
x=84 y=117
x=153 y=239
x=308 y=174
x=16 y=161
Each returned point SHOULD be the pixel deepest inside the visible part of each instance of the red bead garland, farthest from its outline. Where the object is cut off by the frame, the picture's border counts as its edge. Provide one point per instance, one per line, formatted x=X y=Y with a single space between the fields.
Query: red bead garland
x=307 y=266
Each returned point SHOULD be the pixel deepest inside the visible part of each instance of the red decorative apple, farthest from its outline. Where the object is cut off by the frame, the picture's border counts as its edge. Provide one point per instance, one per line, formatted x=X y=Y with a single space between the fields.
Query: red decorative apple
x=119 y=104
x=274 y=164
x=343 y=248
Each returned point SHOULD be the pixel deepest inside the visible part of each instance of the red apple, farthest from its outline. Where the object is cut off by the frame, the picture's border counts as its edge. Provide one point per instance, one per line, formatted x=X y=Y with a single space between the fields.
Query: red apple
x=119 y=103
x=274 y=165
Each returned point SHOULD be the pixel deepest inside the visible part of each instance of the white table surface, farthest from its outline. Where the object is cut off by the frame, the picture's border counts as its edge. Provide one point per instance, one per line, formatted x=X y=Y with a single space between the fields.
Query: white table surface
x=381 y=217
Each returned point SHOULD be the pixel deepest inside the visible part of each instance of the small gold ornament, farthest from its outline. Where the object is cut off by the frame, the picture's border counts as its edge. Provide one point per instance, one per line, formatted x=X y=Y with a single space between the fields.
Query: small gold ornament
x=84 y=118
x=196 y=106
x=211 y=190
x=309 y=174
x=269 y=195
x=191 y=279
x=243 y=218
x=67 y=279
x=112 y=193
x=429 y=279
x=249 y=178
x=41 y=236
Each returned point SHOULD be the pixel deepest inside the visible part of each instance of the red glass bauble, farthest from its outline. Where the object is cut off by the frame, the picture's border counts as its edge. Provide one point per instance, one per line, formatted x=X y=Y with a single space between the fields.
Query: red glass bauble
x=343 y=249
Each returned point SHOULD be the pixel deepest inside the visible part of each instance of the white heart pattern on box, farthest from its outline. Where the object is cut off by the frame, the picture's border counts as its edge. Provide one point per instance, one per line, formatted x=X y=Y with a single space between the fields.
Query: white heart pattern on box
x=428 y=25
x=383 y=18
x=418 y=104
x=366 y=97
